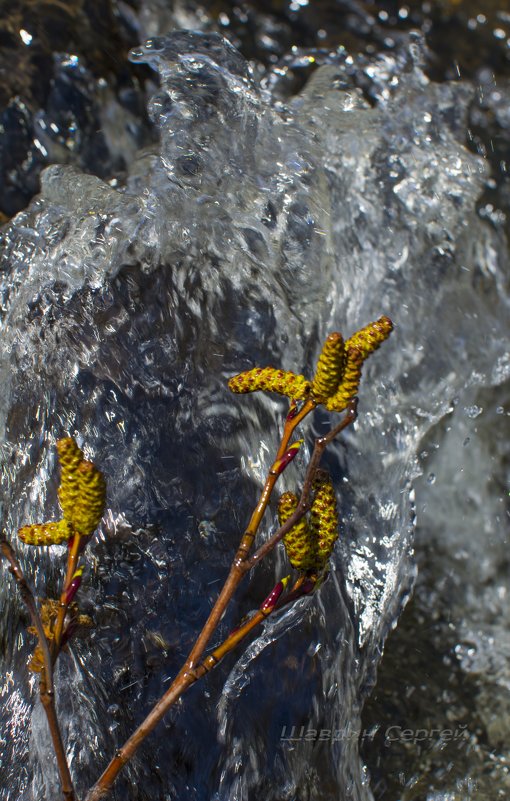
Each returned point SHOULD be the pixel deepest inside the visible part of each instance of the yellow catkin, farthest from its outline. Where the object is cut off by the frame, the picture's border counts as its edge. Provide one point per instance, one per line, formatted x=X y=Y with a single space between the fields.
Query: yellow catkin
x=348 y=388
x=69 y=454
x=90 y=501
x=271 y=379
x=330 y=367
x=70 y=457
x=46 y=533
x=299 y=542
x=324 y=517
x=368 y=339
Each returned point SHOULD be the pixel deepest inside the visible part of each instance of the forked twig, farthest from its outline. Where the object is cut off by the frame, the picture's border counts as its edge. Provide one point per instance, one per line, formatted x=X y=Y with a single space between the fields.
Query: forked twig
x=235 y=637
x=82 y=498
x=191 y=671
x=304 y=502
x=46 y=689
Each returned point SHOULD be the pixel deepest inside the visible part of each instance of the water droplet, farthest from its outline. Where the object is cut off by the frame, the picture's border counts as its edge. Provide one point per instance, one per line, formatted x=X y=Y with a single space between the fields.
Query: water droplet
x=137 y=53
x=206 y=529
x=156 y=44
x=473 y=411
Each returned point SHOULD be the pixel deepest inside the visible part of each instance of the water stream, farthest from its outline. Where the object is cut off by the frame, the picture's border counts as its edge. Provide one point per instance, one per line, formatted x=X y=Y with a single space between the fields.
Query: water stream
x=252 y=228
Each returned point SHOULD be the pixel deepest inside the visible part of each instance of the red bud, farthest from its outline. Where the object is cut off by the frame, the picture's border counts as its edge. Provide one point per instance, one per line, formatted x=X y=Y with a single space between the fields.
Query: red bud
x=73 y=586
x=272 y=599
x=280 y=465
x=293 y=410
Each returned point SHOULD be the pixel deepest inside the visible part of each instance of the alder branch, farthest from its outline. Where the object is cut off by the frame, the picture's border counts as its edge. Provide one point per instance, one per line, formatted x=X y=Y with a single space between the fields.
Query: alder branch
x=72 y=562
x=46 y=688
x=82 y=494
x=304 y=502
x=191 y=671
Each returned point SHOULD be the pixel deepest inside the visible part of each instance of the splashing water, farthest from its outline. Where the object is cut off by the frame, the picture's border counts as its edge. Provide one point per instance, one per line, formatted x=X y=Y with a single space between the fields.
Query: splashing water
x=251 y=231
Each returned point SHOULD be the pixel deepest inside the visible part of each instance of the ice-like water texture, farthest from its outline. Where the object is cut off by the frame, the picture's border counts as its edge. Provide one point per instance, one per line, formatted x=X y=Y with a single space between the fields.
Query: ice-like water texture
x=244 y=239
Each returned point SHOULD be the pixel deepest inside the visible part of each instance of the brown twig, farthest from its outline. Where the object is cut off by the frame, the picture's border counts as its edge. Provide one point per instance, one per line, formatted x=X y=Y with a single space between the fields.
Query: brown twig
x=304 y=502
x=235 y=637
x=179 y=686
x=237 y=570
x=72 y=561
x=46 y=690
x=191 y=671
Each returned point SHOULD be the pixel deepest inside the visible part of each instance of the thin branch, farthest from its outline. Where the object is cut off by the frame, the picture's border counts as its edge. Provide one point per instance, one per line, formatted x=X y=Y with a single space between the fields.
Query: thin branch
x=46 y=689
x=72 y=562
x=236 y=636
x=241 y=564
x=237 y=569
x=29 y=601
x=179 y=686
x=185 y=677
x=304 y=502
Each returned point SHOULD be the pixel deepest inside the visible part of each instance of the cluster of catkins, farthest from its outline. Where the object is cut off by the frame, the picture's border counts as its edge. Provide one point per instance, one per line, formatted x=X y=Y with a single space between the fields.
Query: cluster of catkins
x=310 y=542
x=338 y=373
x=81 y=495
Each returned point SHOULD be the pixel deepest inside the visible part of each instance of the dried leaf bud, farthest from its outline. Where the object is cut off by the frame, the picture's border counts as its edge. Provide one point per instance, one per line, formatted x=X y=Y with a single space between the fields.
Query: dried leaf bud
x=369 y=338
x=48 y=612
x=299 y=542
x=330 y=368
x=348 y=389
x=324 y=517
x=46 y=533
x=36 y=664
x=90 y=502
x=76 y=626
x=48 y=616
x=270 y=379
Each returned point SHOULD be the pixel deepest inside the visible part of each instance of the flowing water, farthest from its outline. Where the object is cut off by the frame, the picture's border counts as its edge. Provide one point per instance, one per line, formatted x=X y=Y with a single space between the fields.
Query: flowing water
x=255 y=225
